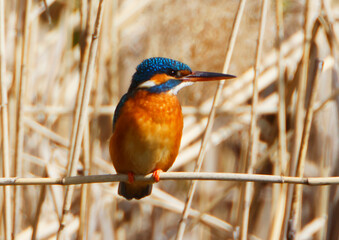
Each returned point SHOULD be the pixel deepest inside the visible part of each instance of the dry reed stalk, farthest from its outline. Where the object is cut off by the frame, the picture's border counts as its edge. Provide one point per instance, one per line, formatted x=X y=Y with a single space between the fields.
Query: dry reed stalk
x=49 y=18
x=56 y=110
x=324 y=202
x=84 y=188
x=114 y=58
x=322 y=104
x=328 y=64
x=281 y=89
x=85 y=23
x=298 y=124
x=326 y=7
x=270 y=152
x=40 y=8
x=281 y=200
x=16 y=71
x=21 y=85
x=324 y=191
x=20 y=101
x=39 y=207
x=333 y=41
x=33 y=159
x=17 y=191
x=91 y=147
x=82 y=113
x=208 y=130
x=99 y=84
x=224 y=110
x=4 y=127
x=62 y=110
x=238 y=209
x=167 y=201
x=84 y=50
x=206 y=176
x=311 y=228
x=213 y=202
x=278 y=217
x=46 y=132
x=83 y=20
x=253 y=131
x=280 y=166
x=293 y=209
x=49 y=228
x=56 y=207
x=305 y=135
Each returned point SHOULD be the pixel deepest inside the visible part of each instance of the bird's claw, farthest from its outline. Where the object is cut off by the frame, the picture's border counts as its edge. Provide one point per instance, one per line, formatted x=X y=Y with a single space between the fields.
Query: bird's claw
x=156 y=175
x=130 y=177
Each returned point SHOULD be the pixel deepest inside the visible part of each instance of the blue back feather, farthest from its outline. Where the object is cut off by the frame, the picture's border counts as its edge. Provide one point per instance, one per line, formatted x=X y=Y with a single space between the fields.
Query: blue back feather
x=118 y=108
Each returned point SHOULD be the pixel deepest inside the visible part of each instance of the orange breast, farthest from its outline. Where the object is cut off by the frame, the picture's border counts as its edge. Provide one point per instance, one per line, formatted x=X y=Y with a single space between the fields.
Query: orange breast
x=147 y=133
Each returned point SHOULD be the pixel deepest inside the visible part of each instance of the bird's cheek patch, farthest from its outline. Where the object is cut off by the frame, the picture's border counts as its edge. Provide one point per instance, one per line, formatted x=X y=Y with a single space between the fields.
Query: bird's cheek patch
x=147 y=84
x=160 y=78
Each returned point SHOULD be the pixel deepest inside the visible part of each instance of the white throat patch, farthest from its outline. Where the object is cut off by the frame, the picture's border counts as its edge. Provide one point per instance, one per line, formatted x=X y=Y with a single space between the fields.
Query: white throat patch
x=176 y=89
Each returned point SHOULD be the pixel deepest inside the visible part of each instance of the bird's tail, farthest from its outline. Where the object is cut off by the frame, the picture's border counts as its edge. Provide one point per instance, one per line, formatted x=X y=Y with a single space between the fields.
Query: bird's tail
x=134 y=190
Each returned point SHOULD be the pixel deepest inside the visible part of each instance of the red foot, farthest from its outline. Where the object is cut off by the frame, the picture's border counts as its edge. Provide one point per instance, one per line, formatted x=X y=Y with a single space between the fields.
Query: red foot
x=156 y=175
x=130 y=177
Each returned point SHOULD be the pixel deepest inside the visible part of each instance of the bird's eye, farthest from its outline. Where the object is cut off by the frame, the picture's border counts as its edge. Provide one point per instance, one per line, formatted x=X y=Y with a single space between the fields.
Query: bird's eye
x=172 y=72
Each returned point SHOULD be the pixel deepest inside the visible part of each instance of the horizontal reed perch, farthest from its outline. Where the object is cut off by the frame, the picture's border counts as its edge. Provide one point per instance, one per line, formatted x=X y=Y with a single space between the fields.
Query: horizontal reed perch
x=240 y=177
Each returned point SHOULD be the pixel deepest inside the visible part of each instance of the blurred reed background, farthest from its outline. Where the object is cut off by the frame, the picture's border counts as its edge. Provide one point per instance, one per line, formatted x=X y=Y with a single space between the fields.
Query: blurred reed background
x=46 y=51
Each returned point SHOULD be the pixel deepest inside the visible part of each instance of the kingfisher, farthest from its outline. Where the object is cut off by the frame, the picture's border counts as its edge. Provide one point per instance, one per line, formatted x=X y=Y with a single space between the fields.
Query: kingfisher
x=148 y=122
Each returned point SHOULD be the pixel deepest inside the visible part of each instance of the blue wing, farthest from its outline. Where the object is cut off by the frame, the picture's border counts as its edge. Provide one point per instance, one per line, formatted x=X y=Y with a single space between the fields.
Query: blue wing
x=119 y=107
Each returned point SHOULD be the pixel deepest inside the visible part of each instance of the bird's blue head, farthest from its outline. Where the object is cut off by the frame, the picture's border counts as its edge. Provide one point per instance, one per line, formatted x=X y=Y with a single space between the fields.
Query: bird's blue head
x=159 y=74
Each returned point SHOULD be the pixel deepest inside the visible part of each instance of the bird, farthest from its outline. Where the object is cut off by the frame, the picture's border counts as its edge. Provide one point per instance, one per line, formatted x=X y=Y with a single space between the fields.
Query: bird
x=148 y=122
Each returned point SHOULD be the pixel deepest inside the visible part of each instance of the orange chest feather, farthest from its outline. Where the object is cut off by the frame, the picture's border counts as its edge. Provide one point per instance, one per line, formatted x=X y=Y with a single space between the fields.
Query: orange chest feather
x=153 y=113
x=147 y=133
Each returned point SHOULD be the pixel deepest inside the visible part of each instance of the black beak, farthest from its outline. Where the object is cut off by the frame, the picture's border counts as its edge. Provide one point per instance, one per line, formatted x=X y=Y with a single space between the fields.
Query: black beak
x=206 y=76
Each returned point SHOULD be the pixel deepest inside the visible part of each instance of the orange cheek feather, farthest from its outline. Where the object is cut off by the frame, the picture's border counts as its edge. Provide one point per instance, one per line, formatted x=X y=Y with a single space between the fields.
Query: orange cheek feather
x=160 y=78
